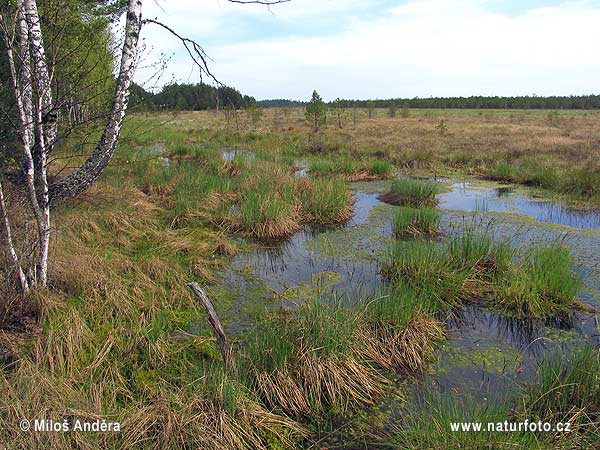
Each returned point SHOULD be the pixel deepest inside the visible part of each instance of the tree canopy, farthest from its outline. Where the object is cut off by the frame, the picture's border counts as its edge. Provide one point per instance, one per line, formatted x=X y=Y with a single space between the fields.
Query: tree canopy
x=198 y=96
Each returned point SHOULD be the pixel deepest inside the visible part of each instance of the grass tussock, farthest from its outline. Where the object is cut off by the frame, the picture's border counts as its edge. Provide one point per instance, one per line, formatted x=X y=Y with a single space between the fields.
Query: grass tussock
x=267 y=204
x=382 y=167
x=408 y=191
x=411 y=222
x=325 y=200
x=543 y=284
x=405 y=349
x=308 y=362
x=472 y=267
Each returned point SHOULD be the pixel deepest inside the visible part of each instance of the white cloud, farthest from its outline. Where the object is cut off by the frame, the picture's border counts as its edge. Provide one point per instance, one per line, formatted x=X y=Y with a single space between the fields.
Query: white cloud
x=420 y=48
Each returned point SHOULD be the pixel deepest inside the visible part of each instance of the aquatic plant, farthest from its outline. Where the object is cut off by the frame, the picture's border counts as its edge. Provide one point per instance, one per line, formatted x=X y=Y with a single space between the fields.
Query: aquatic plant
x=429 y=426
x=567 y=389
x=416 y=221
x=464 y=268
x=423 y=266
x=408 y=191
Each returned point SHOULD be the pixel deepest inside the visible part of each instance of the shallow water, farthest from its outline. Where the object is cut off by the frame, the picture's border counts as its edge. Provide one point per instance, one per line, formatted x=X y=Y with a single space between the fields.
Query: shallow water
x=157 y=150
x=485 y=353
x=506 y=199
x=229 y=154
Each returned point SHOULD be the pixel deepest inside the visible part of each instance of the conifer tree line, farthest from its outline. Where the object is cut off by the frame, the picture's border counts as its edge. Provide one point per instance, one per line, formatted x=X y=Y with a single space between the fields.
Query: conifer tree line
x=474 y=102
x=190 y=97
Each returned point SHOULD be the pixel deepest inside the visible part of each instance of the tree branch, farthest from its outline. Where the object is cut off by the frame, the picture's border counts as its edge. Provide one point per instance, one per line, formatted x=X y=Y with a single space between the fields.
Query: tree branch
x=194 y=49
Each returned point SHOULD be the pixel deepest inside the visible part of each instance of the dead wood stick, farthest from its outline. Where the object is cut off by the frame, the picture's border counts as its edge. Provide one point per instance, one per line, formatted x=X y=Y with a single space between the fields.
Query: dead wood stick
x=215 y=323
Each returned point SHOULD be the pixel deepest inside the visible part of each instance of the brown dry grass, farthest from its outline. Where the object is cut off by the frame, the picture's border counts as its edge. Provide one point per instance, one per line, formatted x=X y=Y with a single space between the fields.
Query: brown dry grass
x=405 y=350
x=313 y=384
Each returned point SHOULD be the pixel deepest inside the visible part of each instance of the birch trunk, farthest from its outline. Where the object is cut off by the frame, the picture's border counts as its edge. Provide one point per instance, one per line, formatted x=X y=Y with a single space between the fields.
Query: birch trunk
x=78 y=181
x=31 y=82
x=45 y=133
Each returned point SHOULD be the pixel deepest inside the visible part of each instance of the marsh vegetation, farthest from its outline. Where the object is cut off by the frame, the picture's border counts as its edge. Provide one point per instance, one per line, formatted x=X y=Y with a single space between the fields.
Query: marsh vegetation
x=118 y=334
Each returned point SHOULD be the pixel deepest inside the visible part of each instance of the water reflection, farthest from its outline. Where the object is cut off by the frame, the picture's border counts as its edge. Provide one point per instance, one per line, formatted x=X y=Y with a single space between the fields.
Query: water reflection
x=473 y=322
x=467 y=197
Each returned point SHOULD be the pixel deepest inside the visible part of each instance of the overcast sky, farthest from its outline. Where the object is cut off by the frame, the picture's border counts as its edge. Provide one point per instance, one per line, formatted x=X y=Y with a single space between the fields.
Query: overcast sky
x=384 y=48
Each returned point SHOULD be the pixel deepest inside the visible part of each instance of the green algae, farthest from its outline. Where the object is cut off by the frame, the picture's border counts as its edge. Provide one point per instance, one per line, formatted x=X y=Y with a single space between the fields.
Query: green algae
x=490 y=358
x=557 y=335
x=320 y=283
x=364 y=243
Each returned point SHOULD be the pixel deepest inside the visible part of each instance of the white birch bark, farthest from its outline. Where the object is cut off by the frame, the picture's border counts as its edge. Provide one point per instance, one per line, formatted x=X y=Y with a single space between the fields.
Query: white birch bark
x=31 y=82
x=76 y=182
x=45 y=132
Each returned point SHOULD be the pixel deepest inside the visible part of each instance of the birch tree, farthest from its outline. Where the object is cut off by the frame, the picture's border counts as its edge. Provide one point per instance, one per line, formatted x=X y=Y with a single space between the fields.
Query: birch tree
x=31 y=75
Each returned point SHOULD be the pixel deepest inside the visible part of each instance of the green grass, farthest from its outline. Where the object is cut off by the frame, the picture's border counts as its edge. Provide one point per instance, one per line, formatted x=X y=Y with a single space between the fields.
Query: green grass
x=429 y=427
x=398 y=306
x=539 y=174
x=326 y=200
x=543 y=284
x=382 y=167
x=423 y=266
x=416 y=221
x=471 y=266
x=503 y=171
x=267 y=209
x=193 y=185
x=581 y=183
x=577 y=183
x=567 y=390
x=408 y=191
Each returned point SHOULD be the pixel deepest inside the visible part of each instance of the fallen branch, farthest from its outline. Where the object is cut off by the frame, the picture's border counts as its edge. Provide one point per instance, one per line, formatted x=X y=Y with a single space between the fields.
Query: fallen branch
x=215 y=323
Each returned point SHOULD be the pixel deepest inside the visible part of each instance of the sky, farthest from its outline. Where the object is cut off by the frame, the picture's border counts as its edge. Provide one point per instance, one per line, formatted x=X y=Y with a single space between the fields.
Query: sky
x=361 y=49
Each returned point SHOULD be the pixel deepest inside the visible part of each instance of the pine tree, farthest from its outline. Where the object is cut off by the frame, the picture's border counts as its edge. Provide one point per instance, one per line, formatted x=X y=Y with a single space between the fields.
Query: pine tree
x=316 y=112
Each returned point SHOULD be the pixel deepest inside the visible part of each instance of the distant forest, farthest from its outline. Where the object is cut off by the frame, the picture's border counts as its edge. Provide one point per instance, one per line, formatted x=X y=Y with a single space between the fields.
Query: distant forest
x=202 y=96
x=475 y=102
x=190 y=97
